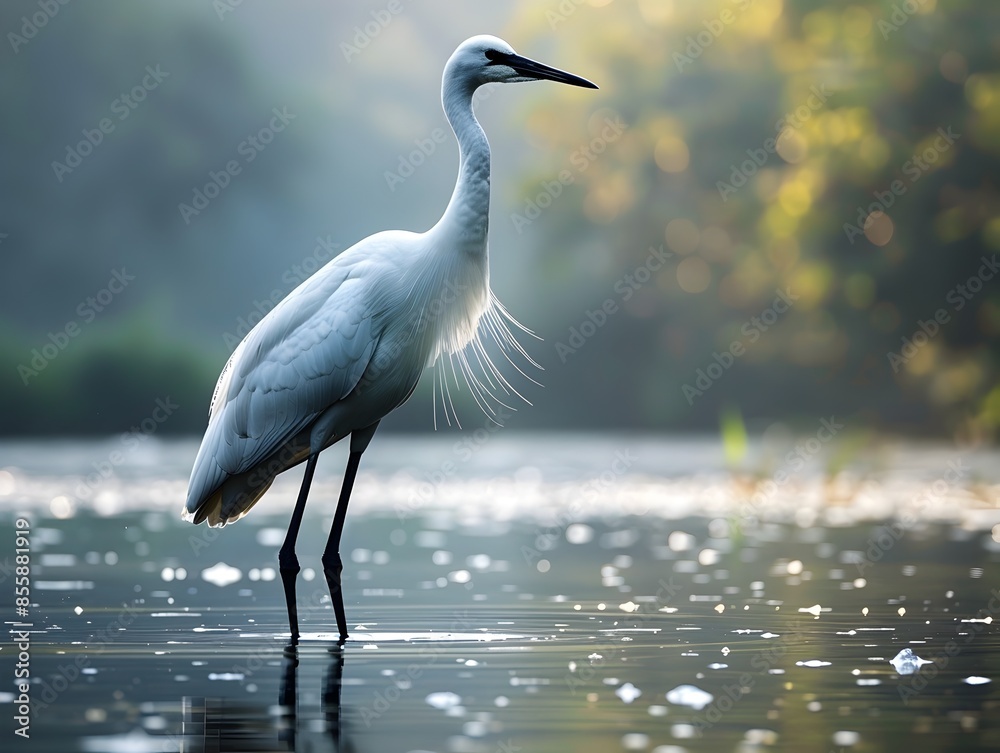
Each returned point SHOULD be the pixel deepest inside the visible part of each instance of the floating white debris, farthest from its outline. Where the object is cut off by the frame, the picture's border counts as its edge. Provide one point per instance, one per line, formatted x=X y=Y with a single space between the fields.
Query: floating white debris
x=668 y=610
x=984 y=620
x=759 y=737
x=475 y=728
x=976 y=680
x=679 y=541
x=78 y=610
x=579 y=533
x=689 y=695
x=410 y=637
x=901 y=611
x=226 y=676
x=629 y=606
x=683 y=731
x=635 y=741
x=135 y=741
x=770 y=635
x=628 y=692
x=221 y=574
x=813 y=663
x=846 y=738
x=720 y=608
x=906 y=662
x=443 y=700
x=814 y=610
x=725 y=650
x=708 y=557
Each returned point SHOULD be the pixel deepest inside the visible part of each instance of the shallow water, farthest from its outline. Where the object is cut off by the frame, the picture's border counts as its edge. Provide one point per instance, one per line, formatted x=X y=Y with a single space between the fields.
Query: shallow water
x=520 y=605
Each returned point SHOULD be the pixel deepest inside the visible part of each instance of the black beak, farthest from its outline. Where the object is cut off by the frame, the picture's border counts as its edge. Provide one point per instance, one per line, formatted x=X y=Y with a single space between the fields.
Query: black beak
x=528 y=67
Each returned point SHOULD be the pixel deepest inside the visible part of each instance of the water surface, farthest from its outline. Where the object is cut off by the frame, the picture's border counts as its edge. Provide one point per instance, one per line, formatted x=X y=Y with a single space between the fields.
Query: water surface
x=523 y=595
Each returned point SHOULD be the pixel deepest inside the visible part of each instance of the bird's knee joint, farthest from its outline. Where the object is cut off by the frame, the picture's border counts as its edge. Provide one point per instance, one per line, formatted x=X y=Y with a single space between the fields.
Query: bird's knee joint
x=333 y=563
x=288 y=563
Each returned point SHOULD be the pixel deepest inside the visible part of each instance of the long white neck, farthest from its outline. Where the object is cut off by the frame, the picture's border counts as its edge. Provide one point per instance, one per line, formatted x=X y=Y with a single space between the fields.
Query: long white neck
x=466 y=220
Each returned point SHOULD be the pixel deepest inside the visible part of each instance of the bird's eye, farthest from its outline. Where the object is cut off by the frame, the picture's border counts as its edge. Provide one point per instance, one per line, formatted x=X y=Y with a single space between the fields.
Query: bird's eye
x=496 y=57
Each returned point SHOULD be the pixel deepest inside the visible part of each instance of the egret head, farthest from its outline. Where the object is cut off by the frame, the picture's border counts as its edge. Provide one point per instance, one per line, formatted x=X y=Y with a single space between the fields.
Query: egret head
x=486 y=59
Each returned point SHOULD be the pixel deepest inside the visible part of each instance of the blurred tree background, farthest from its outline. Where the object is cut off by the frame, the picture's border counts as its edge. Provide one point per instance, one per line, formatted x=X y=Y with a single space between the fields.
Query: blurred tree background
x=785 y=207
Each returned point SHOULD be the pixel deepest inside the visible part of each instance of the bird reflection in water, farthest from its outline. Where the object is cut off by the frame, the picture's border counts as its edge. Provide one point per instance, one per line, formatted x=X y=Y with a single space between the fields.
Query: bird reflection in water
x=220 y=725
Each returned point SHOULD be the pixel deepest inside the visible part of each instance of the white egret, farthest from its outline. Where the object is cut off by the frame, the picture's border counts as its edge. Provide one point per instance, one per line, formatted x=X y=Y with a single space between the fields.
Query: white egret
x=348 y=345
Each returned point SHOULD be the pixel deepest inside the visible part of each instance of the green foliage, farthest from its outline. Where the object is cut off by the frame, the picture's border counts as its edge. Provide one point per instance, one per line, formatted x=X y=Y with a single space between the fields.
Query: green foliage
x=105 y=388
x=736 y=153
x=843 y=152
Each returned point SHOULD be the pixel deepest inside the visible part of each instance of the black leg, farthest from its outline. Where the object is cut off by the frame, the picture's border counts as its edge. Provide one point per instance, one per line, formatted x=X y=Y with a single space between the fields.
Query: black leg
x=288 y=563
x=332 y=564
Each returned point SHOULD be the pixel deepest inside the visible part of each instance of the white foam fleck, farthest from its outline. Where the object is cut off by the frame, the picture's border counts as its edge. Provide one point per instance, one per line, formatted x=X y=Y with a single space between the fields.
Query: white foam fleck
x=221 y=574
x=691 y=696
x=628 y=692
x=443 y=700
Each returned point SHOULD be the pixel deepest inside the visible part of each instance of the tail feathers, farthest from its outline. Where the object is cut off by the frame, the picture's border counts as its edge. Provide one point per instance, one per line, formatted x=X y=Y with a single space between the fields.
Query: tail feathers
x=231 y=501
x=221 y=498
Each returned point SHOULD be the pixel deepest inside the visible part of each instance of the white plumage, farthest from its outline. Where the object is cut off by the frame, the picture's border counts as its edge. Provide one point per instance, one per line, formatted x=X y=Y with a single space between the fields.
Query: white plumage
x=348 y=345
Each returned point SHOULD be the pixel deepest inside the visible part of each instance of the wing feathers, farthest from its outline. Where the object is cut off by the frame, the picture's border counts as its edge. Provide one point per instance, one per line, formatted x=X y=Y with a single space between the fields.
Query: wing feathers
x=308 y=353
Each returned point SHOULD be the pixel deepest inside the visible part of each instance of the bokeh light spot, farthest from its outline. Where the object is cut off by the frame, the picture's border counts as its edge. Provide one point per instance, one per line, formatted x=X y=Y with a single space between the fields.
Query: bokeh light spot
x=693 y=274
